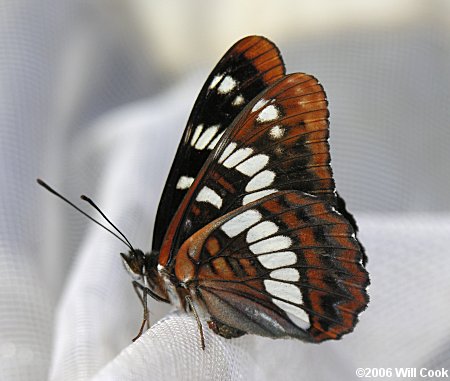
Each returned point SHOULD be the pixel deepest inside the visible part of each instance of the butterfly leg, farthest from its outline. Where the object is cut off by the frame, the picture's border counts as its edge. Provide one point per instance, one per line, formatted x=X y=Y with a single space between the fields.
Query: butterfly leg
x=224 y=330
x=143 y=298
x=199 y=323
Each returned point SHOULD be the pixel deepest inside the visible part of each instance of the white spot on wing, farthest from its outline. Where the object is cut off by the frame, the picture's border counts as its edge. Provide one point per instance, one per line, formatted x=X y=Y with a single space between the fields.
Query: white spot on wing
x=268 y=114
x=286 y=274
x=196 y=135
x=259 y=104
x=296 y=314
x=277 y=132
x=215 y=81
x=262 y=230
x=208 y=195
x=239 y=100
x=213 y=144
x=276 y=260
x=279 y=242
x=253 y=165
x=227 y=85
x=184 y=182
x=241 y=222
x=284 y=291
x=227 y=151
x=206 y=137
x=261 y=180
x=257 y=195
x=237 y=157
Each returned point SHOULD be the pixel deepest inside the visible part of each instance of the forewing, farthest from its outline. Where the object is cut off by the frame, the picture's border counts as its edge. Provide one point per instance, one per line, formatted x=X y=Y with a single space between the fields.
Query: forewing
x=278 y=142
x=285 y=265
x=244 y=71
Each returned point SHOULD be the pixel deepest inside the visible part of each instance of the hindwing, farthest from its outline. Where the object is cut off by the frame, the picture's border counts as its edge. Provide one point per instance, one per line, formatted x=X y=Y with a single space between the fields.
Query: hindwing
x=286 y=265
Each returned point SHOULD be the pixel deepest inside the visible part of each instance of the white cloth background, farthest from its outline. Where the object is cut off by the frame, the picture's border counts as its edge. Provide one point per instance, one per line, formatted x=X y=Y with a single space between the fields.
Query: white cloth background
x=82 y=107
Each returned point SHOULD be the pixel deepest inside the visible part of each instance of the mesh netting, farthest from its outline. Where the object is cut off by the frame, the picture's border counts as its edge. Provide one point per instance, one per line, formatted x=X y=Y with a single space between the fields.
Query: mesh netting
x=83 y=108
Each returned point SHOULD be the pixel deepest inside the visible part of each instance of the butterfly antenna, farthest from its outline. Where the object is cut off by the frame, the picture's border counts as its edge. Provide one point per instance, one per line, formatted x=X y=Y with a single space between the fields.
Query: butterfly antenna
x=51 y=190
x=90 y=202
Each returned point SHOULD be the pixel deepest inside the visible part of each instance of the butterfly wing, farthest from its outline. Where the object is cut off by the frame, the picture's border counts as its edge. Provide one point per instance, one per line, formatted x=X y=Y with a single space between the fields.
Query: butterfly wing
x=244 y=71
x=287 y=264
x=278 y=142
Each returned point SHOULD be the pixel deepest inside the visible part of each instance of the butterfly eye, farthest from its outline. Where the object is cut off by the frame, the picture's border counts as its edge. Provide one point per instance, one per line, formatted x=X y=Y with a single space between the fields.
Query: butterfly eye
x=134 y=262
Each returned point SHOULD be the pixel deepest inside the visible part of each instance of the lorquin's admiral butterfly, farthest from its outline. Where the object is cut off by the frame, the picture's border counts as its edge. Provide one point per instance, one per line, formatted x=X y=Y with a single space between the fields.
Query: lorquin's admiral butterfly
x=250 y=231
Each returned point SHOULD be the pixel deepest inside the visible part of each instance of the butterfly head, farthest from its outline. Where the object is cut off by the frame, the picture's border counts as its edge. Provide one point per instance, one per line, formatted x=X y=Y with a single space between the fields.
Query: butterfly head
x=144 y=267
x=135 y=262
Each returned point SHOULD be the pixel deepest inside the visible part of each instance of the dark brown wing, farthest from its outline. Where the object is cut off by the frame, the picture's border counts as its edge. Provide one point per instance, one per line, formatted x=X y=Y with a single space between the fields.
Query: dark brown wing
x=279 y=141
x=286 y=265
x=246 y=69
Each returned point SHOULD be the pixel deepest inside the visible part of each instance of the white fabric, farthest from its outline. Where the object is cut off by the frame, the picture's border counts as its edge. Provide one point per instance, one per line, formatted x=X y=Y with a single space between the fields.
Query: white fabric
x=80 y=109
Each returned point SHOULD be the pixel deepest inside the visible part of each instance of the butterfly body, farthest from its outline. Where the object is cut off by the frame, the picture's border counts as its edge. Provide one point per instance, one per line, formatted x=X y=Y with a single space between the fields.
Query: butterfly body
x=250 y=231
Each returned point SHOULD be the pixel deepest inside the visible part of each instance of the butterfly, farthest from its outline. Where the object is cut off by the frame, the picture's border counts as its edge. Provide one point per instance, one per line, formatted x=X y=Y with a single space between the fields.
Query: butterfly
x=250 y=232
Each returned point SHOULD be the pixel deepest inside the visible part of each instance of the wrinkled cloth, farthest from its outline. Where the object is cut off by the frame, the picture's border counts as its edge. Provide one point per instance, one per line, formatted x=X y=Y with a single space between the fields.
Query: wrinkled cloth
x=80 y=109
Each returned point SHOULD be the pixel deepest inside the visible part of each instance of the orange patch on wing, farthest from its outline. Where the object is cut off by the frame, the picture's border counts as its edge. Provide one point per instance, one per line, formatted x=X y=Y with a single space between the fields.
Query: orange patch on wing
x=296 y=199
x=306 y=237
x=273 y=206
x=222 y=269
x=195 y=210
x=264 y=56
x=303 y=106
x=212 y=245
x=248 y=267
x=320 y=171
x=225 y=184
x=317 y=135
x=291 y=219
x=320 y=158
